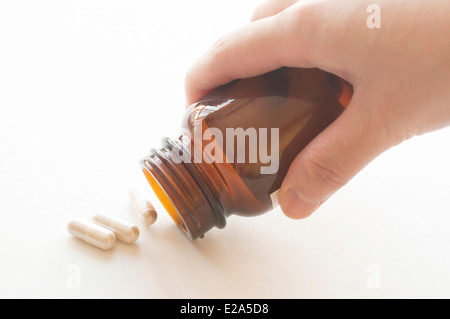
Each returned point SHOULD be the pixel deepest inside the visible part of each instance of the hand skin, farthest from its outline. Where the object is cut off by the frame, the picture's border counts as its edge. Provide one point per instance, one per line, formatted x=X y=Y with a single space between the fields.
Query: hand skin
x=400 y=74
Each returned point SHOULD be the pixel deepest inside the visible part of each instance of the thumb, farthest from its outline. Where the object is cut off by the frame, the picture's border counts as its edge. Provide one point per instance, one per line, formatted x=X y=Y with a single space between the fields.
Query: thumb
x=328 y=162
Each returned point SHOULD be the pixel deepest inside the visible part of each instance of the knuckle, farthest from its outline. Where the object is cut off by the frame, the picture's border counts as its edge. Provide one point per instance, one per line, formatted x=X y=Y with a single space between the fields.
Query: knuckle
x=304 y=24
x=257 y=13
x=304 y=16
x=321 y=178
x=219 y=50
x=389 y=124
x=188 y=78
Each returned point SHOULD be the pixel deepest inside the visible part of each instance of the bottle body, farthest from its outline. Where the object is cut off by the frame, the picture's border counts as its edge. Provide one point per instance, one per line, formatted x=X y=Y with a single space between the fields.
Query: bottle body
x=237 y=143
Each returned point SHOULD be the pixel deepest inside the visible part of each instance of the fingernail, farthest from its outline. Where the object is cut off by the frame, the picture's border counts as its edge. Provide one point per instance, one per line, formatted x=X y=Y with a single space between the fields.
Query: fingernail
x=294 y=206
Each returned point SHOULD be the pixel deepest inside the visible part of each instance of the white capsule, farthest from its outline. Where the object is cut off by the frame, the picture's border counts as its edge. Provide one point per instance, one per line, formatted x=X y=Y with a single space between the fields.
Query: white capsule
x=92 y=233
x=142 y=207
x=123 y=230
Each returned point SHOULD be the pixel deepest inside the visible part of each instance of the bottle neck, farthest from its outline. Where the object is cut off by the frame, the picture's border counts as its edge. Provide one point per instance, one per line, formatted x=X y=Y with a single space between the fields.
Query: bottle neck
x=184 y=188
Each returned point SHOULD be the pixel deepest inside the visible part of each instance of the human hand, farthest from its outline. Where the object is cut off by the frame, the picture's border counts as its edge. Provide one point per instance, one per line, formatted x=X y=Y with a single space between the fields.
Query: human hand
x=400 y=74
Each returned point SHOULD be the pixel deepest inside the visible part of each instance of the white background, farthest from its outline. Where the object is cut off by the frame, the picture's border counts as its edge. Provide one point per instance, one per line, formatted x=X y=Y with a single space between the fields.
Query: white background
x=88 y=87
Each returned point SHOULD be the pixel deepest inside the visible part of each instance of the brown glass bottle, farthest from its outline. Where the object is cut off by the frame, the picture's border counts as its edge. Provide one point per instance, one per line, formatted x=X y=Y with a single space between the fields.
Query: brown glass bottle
x=207 y=174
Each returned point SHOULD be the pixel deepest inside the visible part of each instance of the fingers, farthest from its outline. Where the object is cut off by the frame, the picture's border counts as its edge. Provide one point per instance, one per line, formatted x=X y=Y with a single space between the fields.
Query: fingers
x=256 y=48
x=332 y=159
x=270 y=8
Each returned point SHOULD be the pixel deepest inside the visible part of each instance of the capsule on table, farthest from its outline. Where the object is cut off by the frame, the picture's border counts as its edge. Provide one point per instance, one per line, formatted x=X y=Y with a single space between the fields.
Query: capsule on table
x=124 y=231
x=142 y=207
x=92 y=234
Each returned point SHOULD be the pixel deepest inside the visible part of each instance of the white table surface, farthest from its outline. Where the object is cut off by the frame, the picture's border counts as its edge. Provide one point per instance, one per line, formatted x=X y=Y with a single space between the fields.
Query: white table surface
x=88 y=87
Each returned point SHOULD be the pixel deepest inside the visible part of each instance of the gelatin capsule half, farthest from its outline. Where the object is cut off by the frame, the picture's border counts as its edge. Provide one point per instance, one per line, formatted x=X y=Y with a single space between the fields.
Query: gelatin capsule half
x=142 y=207
x=124 y=231
x=92 y=234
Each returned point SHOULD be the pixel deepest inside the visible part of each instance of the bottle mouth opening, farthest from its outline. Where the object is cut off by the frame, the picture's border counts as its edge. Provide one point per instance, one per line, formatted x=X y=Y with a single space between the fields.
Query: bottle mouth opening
x=183 y=191
x=166 y=201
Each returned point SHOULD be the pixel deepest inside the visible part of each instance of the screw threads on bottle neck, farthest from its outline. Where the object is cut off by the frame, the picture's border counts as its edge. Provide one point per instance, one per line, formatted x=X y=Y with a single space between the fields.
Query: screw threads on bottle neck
x=183 y=189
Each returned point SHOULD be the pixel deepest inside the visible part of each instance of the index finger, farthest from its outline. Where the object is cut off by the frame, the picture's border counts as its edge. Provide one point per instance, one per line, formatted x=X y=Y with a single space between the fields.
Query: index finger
x=256 y=48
